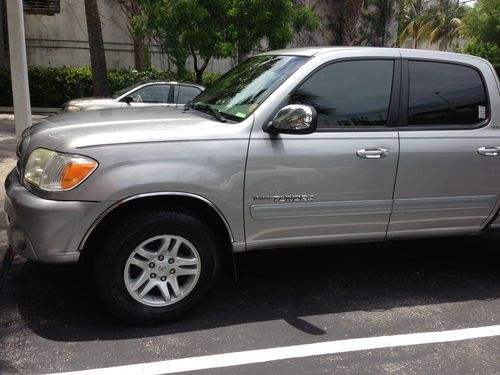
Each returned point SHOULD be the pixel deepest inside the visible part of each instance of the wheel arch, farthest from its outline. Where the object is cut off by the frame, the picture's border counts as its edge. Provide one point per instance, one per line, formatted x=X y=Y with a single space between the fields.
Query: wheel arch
x=193 y=204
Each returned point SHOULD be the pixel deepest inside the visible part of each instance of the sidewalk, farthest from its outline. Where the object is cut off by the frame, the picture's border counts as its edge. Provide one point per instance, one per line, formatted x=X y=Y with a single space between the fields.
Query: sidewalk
x=7 y=163
x=35 y=110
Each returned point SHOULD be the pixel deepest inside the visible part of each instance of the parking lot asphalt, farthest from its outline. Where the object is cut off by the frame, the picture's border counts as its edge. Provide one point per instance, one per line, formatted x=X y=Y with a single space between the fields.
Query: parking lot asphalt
x=52 y=320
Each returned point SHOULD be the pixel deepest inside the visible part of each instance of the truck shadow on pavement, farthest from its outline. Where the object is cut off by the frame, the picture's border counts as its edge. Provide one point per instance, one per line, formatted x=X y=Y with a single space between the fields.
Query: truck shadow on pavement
x=61 y=303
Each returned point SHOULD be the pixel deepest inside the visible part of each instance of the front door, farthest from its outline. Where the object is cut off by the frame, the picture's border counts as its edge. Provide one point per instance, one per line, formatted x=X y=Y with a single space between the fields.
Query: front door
x=336 y=184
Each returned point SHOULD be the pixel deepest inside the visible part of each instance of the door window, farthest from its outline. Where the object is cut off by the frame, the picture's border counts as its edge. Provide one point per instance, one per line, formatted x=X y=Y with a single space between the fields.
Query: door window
x=350 y=93
x=152 y=94
x=184 y=94
x=445 y=94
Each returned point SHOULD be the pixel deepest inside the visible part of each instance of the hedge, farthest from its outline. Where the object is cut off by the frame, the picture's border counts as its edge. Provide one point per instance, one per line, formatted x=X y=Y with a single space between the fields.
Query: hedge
x=51 y=87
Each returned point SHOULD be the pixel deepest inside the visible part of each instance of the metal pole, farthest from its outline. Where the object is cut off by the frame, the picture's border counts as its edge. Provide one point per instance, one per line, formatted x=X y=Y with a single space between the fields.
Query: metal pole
x=2 y=48
x=18 y=65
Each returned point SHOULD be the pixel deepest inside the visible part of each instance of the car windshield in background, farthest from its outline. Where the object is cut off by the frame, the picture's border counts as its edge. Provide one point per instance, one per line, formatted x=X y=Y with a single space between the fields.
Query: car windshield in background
x=241 y=90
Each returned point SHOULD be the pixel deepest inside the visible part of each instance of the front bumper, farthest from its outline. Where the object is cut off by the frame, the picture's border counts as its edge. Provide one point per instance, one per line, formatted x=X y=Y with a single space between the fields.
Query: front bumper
x=46 y=230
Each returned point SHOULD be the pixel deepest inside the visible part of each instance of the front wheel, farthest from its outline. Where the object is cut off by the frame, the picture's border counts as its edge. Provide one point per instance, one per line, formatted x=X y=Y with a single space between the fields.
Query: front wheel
x=157 y=266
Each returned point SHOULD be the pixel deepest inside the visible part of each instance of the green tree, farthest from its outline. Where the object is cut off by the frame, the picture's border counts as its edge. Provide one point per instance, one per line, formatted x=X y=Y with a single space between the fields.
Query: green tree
x=214 y=29
x=482 y=26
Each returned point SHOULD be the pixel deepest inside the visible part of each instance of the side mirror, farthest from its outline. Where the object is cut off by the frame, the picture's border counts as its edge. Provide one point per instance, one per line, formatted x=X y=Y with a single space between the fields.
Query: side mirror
x=293 y=119
x=128 y=99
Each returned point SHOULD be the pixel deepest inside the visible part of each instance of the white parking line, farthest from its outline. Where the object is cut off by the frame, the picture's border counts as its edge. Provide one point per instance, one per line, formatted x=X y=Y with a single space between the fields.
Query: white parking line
x=295 y=351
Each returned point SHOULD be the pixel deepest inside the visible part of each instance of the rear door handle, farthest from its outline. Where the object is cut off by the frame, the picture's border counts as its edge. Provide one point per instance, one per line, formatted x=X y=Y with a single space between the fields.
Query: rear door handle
x=489 y=151
x=373 y=153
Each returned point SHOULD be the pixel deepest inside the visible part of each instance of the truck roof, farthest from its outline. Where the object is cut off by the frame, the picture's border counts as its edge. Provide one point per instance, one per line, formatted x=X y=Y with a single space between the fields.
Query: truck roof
x=314 y=51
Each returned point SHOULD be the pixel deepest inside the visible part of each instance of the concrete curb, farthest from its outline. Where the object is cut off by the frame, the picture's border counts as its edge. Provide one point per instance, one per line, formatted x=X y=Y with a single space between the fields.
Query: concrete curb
x=6 y=257
x=34 y=110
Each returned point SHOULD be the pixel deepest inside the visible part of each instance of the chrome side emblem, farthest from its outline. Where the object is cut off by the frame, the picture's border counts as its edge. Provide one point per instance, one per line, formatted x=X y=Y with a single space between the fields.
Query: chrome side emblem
x=289 y=198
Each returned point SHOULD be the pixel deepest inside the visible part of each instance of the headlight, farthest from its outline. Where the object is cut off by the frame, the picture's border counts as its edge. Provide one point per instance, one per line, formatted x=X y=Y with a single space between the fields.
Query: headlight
x=53 y=171
x=72 y=108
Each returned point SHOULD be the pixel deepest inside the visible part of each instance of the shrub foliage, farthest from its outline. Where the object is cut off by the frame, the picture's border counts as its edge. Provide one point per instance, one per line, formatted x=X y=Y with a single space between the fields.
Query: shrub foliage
x=51 y=87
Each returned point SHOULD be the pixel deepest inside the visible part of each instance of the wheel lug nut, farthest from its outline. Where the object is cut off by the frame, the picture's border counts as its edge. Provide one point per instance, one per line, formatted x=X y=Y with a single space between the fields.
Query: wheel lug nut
x=153 y=275
x=171 y=260
x=161 y=257
x=151 y=265
x=163 y=278
x=172 y=271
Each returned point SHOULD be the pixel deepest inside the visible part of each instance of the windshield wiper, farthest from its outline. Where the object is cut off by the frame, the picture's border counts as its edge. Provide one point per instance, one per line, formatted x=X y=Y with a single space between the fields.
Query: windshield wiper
x=213 y=111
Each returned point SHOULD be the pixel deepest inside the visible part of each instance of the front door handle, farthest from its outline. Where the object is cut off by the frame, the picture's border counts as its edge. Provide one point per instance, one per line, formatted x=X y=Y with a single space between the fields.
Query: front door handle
x=489 y=151
x=373 y=153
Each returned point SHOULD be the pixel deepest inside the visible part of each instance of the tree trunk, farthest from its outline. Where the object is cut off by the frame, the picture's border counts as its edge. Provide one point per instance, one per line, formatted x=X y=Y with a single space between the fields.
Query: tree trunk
x=352 y=10
x=96 y=47
x=241 y=56
x=139 y=57
x=391 y=24
x=133 y=9
x=199 y=70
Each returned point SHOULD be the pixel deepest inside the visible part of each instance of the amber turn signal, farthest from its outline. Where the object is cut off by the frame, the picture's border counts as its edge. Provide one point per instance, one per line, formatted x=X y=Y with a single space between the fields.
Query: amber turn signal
x=75 y=173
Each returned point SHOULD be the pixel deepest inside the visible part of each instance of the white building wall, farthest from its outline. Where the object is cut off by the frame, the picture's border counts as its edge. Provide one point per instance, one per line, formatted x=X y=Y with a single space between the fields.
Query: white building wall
x=61 y=39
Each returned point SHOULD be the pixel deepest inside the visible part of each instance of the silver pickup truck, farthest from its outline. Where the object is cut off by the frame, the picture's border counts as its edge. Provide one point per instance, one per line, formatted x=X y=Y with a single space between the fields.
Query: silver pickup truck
x=297 y=147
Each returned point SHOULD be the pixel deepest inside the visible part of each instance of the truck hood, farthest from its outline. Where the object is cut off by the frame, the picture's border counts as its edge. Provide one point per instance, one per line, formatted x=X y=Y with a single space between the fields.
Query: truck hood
x=67 y=132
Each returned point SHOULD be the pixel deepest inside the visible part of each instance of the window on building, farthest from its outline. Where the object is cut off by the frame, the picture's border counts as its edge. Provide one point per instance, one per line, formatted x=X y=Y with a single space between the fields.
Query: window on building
x=445 y=94
x=48 y=7
x=350 y=93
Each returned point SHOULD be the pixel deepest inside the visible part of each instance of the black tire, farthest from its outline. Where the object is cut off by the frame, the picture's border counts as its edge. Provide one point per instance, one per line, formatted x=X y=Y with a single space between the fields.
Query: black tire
x=129 y=233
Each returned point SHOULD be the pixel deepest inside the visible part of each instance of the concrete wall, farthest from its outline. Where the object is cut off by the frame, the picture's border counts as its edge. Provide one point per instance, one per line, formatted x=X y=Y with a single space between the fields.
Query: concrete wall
x=61 y=39
x=327 y=12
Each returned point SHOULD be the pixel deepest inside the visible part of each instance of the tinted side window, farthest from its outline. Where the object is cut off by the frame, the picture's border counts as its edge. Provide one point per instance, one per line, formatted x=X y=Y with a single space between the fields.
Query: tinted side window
x=184 y=94
x=350 y=93
x=445 y=94
x=152 y=94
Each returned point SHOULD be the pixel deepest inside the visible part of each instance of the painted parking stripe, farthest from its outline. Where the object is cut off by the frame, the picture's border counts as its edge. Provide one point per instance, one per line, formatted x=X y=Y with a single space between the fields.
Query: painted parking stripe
x=295 y=351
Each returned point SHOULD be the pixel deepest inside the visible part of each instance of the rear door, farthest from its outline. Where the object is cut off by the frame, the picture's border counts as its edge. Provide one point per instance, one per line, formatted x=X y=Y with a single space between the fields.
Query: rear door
x=335 y=184
x=449 y=166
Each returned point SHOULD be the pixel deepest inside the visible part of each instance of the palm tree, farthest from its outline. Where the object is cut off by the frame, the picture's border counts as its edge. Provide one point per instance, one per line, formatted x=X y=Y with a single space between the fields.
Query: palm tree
x=414 y=18
x=352 y=11
x=96 y=47
x=445 y=24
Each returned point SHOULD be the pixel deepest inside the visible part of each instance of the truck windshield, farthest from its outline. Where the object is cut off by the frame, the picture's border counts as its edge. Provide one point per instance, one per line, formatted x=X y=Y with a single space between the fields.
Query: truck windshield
x=241 y=90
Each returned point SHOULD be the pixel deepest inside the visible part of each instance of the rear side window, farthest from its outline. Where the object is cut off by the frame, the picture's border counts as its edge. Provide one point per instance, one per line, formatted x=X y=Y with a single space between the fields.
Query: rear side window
x=184 y=94
x=445 y=94
x=152 y=94
x=349 y=93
